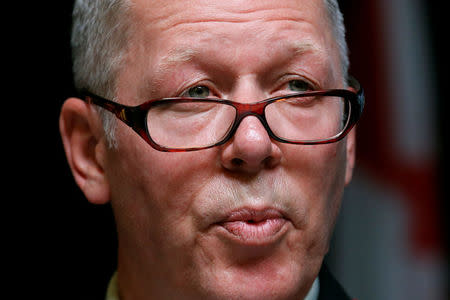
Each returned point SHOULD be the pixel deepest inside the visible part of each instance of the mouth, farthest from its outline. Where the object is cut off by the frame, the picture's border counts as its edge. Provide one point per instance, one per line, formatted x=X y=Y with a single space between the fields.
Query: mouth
x=254 y=227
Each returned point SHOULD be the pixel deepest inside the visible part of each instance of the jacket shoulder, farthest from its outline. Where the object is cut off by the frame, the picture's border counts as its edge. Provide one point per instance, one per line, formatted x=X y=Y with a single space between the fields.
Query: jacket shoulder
x=330 y=289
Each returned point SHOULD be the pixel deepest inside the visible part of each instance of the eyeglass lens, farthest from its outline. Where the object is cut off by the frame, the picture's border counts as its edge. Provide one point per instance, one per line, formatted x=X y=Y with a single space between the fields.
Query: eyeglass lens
x=194 y=124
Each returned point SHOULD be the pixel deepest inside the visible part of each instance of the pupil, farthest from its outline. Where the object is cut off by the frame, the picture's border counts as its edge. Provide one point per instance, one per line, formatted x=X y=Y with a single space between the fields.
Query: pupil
x=298 y=85
x=199 y=91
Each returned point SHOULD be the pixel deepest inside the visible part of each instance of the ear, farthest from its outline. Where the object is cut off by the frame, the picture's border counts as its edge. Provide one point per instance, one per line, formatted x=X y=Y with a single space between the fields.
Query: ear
x=351 y=152
x=81 y=134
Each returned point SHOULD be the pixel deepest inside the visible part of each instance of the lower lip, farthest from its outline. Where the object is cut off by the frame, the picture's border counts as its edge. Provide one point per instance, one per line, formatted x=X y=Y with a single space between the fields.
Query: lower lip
x=256 y=233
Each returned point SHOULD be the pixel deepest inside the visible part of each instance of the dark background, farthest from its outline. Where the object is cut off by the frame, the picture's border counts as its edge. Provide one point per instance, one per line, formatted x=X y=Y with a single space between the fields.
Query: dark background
x=67 y=245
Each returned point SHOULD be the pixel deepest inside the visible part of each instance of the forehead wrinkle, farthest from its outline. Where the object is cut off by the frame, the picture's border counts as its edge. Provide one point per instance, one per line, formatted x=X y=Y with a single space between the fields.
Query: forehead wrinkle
x=171 y=16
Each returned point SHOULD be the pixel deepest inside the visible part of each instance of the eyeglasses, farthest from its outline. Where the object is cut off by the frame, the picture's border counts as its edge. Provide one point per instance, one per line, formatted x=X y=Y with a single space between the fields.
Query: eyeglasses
x=187 y=124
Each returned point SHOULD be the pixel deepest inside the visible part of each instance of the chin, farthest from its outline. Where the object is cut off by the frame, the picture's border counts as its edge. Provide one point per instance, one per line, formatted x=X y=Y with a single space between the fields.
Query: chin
x=258 y=280
x=257 y=289
x=282 y=263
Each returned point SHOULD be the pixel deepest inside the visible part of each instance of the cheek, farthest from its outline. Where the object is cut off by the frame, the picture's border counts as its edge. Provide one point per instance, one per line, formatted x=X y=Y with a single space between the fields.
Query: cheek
x=155 y=190
x=153 y=196
x=319 y=169
x=318 y=174
x=161 y=173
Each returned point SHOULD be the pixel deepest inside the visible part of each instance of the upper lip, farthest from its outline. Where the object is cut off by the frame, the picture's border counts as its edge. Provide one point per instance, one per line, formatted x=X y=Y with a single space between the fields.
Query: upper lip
x=249 y=214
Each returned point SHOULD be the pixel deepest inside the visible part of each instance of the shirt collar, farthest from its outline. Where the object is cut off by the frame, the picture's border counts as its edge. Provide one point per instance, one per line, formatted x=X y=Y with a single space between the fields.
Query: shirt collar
x=313 y=293
x=113 y=294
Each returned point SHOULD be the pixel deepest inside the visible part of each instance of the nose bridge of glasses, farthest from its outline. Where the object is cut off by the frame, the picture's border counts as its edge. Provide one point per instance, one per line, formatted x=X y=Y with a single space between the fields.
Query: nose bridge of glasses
x=246 y=109
x=251 y=109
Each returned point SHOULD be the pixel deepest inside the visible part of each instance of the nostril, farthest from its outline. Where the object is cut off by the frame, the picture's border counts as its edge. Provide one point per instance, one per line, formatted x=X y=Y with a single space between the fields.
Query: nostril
x=237 y=162
x=268 y=161
x=251 y=149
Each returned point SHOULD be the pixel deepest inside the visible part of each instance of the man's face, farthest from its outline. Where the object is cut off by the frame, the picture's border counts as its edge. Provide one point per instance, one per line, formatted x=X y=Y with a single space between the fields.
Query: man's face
x=250 y=219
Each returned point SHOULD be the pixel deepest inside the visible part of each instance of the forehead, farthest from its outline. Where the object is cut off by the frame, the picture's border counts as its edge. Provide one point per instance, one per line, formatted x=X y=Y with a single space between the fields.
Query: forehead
x=172 y=16
x=172 y=31
x=173 y=11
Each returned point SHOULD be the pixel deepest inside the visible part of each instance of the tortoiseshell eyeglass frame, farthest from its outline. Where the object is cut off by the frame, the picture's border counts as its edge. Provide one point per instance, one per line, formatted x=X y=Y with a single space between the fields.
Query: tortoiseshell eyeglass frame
x=136 y=116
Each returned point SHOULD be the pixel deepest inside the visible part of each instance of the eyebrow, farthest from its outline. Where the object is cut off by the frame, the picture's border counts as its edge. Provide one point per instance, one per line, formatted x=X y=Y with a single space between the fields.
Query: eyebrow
x=185 y=54
x=171 y=59
x=176 y=56
x=302 y=47
x=182 y=54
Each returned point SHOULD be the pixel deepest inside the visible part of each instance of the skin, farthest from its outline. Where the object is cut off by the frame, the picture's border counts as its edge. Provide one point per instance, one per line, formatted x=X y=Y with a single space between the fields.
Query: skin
x=169 y=206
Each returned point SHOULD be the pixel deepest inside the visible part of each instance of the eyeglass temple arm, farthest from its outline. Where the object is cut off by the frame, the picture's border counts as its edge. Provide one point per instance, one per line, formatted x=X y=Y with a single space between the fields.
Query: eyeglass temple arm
x=360 y=97
x=121 y=111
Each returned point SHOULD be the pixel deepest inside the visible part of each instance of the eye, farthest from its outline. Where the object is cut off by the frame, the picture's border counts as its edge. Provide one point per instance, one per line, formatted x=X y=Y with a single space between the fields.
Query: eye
x=199 y=91
x=299 y=85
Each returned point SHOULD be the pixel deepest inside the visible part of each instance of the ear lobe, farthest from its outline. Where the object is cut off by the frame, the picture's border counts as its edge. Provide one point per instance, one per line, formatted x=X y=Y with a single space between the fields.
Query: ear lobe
x=351 y=153
x=81 y=134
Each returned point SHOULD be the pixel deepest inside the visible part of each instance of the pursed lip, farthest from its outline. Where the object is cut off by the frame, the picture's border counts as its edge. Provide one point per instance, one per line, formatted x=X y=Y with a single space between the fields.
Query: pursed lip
x=253 y=215
x=252 y=226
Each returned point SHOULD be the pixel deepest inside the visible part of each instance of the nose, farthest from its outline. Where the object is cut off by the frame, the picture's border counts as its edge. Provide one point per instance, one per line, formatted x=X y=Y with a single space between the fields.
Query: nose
x=251 y=148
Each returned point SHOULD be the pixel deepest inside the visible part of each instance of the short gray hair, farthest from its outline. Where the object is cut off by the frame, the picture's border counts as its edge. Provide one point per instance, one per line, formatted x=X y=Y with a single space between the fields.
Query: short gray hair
x=338 y=29
x=100 y=33
x=99 y=44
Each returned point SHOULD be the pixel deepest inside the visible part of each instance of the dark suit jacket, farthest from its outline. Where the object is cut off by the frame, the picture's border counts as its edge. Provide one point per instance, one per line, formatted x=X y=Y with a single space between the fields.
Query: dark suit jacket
x=330 y=289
